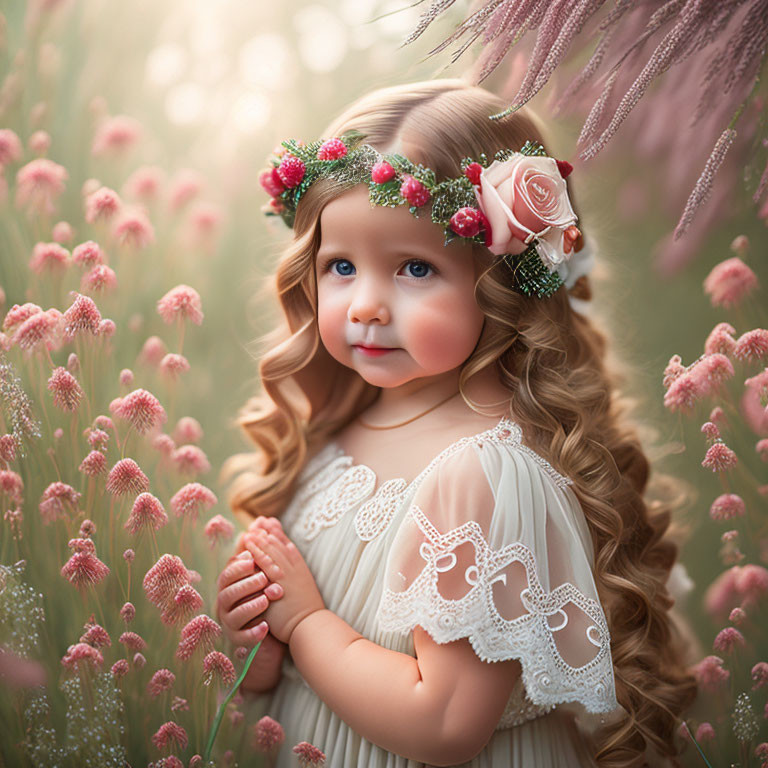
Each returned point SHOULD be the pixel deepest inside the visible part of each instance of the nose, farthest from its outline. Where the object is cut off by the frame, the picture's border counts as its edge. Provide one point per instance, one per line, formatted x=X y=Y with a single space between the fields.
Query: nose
x=369 y=304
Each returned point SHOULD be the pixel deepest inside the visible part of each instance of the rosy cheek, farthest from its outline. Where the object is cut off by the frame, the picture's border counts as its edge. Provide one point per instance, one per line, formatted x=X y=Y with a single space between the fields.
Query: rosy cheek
x=331 y=322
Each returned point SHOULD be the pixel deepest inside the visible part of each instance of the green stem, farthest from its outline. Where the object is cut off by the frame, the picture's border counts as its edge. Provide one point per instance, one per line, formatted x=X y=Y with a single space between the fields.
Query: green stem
x=228 y=698
x=697 y=744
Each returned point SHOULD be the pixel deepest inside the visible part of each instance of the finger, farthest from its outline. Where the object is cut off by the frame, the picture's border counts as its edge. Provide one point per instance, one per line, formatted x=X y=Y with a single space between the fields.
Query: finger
x=277 y=530
x=238 y=617
x=258 y=523
x=235 y=570
x=274 y=591
x=235 y=592
x=249 y=637
x=264 y=560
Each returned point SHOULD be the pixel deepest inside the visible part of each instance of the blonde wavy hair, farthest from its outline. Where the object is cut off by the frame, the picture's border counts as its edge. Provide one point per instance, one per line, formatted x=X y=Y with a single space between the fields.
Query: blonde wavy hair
x=566 y=392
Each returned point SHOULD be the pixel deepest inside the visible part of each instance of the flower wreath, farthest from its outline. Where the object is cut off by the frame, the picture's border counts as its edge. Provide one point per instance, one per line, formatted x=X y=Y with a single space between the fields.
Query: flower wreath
x=517 y=205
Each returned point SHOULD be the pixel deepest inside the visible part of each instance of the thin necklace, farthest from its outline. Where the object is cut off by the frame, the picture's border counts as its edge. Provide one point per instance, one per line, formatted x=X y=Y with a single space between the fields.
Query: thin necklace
x=407 y=421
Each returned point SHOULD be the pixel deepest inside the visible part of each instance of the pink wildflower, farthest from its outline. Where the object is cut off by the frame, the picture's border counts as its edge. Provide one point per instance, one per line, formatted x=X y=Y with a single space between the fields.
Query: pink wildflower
x=96 y=636
x=126 y=377
x=191 y=499
x=115 y=134
x=762 y=449
x=169 y=734
x=711 y=431
x=128 y=612
x=120 y=669
x=153 y=351
x=38 y=184
x=144 y=183
x=705 y=732
x=204 y=219
x=126 y=477
x=726 y=507
x=683 y=392
x=737 y=616
x=199 y=633
x=722 y=594
x=759 y=675
x=190 y=460
x=164 y=444
x=102 y=204
x=97 y=438
x=710 y=674
x=752 y=345
x=42 y=328
x=132 y=641
x=10 y=147
x=143 y=410
x=94 y=464
x=674 y=369
x=218 y=529
x=187 y=430
x=54 y=498
x=80 y=655
x=129 y=556
x=63 y=232
x=88 y=254
x=12 y=486
x=712 y=370
x=100 y=279
x=147 y=513
x=717 y=416
x=181 y=302
x=179 y=705
x=185 y=602
x=14 y=518
x=134 y=229
x=728 y=639
x=719 y=457
x=729 y=282
x=106 y=327
x=83 y=316
x=267 y=734
x=186 y=185
x=7 y=448
x=39 y=142
x=84 y=568
x=66 y=391
x=104 y=422
x=309 y=756
x=161 y=682
x=216 y=664
x=48 y=257
x=162 y=581
x=18 y=313
x=138 y=660
x=172 y=365
x=751 y=582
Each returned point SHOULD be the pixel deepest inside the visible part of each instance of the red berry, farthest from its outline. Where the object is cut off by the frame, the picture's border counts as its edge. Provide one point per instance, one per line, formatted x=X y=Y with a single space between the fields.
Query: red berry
x=466 y=222
x=414 y=192
x=291 y=171
x=382 y=172
x=564 y=167
x=473 y=171
x=485 y=226
x=332 y=149
x=271 y=182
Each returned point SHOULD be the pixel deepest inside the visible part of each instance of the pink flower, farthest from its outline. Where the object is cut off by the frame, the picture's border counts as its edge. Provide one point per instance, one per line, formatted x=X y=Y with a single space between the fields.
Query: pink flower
x=84 y=569
x=48 y=257
x=752 y=345
x=126 y=477
x=102 y=205
x=187 y=430
x=103 y=422
x=116 y=134
x=332 y=149
x=172 y=365
x=96 y=636
x=17 y=314
x=119 y=669
x=126 y=377
x=218 y=529
x=7 y=448
x=728 y=639
x=309 y=756
x=63 y=232
x=82 y=316
x=721 y=339
x=191 y=499
x=199 y=633
x=88 y=254
x=144 y=183
x=81 y=655
x=153 y=351
x=42 y=328
x=163 y=580
x=10 y=147
x=147 y=513
x=186 y=185
x=185 y=602
x=128 y=612
x=710 y=674
x=726 y=507
x=711 y=431
x=267 y=734
x=759 y=675
x=179 y=705
x=522 y=198
x=12 y=486
x=683 y=392
x=717 y=416
x=751 y=581
x=138 y=660
x=143 y=410
x=705 y=732
x=161 y=682
x=762 y=449
x=181 y=302
x=713 y=369
x=132 y=641
x=54 y=498
x=38 y=184
x=100 y=279
x=134 y=229
x=190 y=460
x=204 y=219
x=719 y=458
x=729 y=282
x=164 y=443
x=94 y=464
x=216 y=664
x=737 y=616
x=66 y=391
x=722 y=594
x=169 y=734
x=39 y=142
x=754 y=402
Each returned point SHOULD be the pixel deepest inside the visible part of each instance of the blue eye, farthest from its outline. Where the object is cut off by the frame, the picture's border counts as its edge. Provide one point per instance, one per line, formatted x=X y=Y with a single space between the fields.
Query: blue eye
x=418 y=269
x=343 y=267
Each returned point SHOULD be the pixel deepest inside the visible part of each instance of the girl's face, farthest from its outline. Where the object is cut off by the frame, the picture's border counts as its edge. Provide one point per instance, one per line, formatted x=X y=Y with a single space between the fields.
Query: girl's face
x=394 y=304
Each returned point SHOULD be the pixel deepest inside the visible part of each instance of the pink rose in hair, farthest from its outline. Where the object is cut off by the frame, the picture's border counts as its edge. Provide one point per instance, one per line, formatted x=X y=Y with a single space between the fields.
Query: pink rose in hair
x=523 y=197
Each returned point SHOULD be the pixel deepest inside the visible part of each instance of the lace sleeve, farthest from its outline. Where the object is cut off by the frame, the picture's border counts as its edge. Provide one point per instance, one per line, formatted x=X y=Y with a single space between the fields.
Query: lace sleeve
x=495 y=548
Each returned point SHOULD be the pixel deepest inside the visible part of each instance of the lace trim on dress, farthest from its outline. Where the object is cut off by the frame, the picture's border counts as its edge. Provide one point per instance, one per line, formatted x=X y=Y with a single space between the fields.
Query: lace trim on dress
x=548 y=678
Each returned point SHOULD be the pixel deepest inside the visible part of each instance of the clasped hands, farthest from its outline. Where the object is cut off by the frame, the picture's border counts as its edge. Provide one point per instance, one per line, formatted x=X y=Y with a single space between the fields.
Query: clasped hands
x=266 y=579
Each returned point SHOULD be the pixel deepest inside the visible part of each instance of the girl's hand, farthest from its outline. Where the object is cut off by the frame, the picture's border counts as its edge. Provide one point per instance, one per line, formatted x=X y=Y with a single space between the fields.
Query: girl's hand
x=278 y=557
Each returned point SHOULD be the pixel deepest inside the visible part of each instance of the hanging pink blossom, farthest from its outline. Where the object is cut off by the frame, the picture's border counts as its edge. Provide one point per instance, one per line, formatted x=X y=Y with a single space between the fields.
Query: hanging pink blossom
x=762 y=449
x=164 y=444
x=120 y=669
x=96 y=636
x=12 y=486
x=126 y=477
x=63 y=232
x=185 y=602
x=309 y=755
x=717 y=416
x=719 y=458
x=134 y=229
x=132 y=641
x=97 y=438
x=759 y=675
x=18 y=313
x=751 y=582
x=84 y=569
x=170 y=734
x=722 y=595
x=103 y=422
x=216 y=664
x=128 y=612
x=219 y=529
x=10 y=147
x=107 y=327
x=737 y=616
x=721 y=339
x=181 y=302
x=712 y=370
x=94 y=464
x=42 y=328
x=66 y=391
x=147 y=514
x=268 y=734
x=704 y=733
x=39 y=142
x=179 y=705
x=726 y=507
x=754 y=403
x=142 y=409
x=102 y=205
x=729 y=283
x=752 y=345
x=173 y=365
x=88 y=254
x=728 y=640
x=14 y=518
x=162 y=581
x=187 y=430
x=82 y=655
x=711 y=431
x=160 y=682
x=99 y=279
x=199 y=633
x=139 y=661
x=674 y=369
x=83 y=316
x=192 y=499
x=710 y=674
x=153 y=351
x=683 y=392
x=55 y=499
x=49 y=257
x=38 y=184
x=190 y=460
x=115 y=134
x=7 y=448
x=144 y=183
x=186 y=185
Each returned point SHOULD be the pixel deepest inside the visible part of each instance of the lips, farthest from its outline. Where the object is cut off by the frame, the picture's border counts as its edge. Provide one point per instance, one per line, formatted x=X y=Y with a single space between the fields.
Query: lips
x=371 y=351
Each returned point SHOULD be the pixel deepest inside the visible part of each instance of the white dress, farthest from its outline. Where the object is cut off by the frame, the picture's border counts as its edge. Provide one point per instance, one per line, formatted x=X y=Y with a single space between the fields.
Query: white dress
x=488 y=542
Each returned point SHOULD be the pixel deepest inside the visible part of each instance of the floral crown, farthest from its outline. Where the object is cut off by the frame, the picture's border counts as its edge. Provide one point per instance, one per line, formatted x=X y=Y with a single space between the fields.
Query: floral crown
x=517 y=205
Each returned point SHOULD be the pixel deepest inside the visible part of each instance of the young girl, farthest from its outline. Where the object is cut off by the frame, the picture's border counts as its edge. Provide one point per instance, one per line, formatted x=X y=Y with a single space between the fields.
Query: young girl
x=464 y=570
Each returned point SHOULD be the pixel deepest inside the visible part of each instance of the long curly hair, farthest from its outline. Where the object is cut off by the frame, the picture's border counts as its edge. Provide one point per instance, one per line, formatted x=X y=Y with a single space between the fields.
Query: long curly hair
x=566 y=388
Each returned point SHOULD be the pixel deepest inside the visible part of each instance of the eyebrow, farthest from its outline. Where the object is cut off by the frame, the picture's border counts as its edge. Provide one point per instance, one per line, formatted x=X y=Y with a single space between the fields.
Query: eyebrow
x=324 y=252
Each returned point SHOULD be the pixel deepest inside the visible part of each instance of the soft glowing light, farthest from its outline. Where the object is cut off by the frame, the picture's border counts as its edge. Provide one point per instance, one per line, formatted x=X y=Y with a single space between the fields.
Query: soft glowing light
x=251 y=111
x=166 y=64
x=400 y=19
x=265 y=61
x=184 y=103
x=322 y=38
